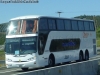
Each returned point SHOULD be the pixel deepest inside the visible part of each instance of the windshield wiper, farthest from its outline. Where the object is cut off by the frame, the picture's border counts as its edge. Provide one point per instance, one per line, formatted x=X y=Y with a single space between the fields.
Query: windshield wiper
x=9 y=53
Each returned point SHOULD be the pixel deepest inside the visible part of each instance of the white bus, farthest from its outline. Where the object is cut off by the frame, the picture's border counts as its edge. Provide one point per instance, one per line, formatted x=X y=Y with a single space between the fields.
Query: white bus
x=38 y=41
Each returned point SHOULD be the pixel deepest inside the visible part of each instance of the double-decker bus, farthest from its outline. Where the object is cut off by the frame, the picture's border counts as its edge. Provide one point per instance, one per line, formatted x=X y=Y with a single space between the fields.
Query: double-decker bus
x=38 y=41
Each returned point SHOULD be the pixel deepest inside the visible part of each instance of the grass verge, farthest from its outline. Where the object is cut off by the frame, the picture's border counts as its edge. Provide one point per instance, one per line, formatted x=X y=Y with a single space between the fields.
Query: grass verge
x=2 y=38
x=2 y=65
x=98 y=43
x=2 y=55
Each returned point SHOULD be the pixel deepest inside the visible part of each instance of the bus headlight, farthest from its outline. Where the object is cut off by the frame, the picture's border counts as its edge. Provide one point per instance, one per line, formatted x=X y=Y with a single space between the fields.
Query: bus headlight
x=9 y=60
x=32 y=58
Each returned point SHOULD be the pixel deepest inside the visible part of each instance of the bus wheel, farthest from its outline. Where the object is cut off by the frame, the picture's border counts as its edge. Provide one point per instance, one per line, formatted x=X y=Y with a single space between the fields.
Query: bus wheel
x=25 y=69
x=51 y=61
x=86 y=55
x=81 y=56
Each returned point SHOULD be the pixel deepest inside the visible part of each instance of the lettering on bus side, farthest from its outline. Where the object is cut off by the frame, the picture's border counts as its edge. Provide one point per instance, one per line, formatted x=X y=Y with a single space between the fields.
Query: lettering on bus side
x=70 y=43
x=85 y=35
x=66 y=56
x=64 y=44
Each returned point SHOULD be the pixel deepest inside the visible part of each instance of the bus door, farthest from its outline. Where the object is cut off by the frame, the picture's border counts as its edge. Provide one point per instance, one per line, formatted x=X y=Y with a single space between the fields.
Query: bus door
x=41 y=57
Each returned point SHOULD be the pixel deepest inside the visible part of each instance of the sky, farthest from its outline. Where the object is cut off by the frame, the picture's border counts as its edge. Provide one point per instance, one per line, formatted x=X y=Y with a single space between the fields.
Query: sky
x=69 y=8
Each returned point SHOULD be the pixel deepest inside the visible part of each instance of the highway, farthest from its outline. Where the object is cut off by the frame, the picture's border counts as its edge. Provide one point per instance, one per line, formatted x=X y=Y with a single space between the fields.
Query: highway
x=15 y=71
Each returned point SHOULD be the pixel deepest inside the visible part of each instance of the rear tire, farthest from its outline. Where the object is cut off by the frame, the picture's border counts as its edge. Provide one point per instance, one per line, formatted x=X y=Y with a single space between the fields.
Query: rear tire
x=25 y=69
x=86 y=56
x=80 y=57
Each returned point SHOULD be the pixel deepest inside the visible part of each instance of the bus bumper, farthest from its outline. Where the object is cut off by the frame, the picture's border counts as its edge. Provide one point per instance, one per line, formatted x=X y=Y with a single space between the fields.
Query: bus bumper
x=27 y=64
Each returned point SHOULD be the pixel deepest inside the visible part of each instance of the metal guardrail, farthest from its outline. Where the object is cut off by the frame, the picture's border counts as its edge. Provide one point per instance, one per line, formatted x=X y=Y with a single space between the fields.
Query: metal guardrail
x=98 y=48
x=2 y=61
x=1 y=47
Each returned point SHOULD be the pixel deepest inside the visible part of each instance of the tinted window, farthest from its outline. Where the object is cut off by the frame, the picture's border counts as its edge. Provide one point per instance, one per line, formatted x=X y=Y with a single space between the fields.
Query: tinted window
x=64 y=44
x=80 y=25
x=51 y=24
x=74 y=25
x=29 y=25
x=43 y=24
x=91 y=26
x=60 y=24
x=67 y=24
x=86 y=25
x=14 y=27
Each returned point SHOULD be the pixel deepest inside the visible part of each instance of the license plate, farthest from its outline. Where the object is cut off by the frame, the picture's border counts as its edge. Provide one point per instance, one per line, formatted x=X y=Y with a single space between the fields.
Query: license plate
x=20 y=65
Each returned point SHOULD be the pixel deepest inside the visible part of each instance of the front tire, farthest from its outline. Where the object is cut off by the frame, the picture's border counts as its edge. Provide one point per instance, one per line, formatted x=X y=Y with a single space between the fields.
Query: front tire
x=81 y=56
x=50 y=62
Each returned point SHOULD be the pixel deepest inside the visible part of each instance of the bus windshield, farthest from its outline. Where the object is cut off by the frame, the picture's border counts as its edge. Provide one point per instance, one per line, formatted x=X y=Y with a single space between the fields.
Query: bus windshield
x=26 y=26
x=20 y=46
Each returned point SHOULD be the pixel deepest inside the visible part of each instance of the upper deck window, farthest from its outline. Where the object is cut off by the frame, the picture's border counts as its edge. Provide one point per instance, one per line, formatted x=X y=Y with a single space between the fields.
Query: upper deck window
x=67 y=24
x=29 y=26
x=81 y=25
x=25 y=26
x=86 y=25
x=92 y=27
x=74 y=25
x=43 y=24
x=14 y=27
x=51 y=23
x=60 y=24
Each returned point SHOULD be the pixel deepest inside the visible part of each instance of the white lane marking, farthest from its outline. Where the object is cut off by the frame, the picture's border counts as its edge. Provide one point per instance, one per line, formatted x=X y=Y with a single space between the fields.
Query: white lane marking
x=95 y=57
x=48 y=68
x=9 y=71
x=34 y=71
x=55 y=67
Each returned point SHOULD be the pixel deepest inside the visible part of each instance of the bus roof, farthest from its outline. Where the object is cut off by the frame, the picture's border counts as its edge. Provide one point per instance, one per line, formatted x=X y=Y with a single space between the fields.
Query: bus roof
x=25 y=17
x=37 y=16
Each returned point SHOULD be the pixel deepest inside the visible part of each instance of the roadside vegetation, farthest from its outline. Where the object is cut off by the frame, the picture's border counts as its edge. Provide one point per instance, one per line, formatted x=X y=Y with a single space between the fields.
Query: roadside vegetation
x=2 y=56
x=2 y=38
x=98 y=36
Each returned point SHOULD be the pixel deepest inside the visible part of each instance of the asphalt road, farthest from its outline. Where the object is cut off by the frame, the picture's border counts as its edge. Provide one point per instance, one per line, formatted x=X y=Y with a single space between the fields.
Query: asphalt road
x=2 y=61
x=15 y=71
